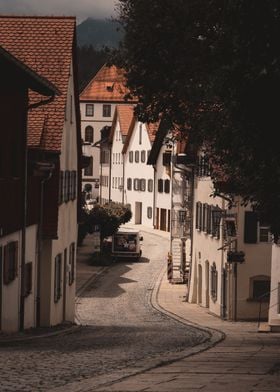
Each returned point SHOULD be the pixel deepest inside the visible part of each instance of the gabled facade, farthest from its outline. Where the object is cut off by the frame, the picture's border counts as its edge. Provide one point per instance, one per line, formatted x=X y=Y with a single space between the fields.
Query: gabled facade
x=229 y=285
x=138 y=176
x=47 y=44
x=122 y=125
x=97 y=105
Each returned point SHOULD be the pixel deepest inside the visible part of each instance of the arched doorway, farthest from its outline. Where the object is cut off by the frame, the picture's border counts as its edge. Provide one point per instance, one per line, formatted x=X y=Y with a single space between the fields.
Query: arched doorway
x=199 y=284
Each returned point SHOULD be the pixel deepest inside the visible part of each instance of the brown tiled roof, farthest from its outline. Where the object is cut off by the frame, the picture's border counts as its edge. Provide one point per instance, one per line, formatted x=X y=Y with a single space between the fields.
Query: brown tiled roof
x=108 y=85
x=152 y=129
x=125 y=115
x=45 y=45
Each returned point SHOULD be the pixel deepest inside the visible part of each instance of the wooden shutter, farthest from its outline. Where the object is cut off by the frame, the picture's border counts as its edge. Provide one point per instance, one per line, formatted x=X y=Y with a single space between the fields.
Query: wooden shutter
x=6 y=265
x=251 y=227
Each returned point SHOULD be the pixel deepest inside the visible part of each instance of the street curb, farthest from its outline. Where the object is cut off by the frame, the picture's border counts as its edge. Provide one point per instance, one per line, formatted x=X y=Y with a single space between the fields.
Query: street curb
x=80 y=291
x=66 y=331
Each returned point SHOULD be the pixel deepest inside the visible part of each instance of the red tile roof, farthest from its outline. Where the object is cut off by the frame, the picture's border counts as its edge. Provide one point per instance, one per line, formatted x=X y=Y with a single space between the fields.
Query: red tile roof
x=125 y=115
x=45 y=45
x=152 y=129
x=108 y=85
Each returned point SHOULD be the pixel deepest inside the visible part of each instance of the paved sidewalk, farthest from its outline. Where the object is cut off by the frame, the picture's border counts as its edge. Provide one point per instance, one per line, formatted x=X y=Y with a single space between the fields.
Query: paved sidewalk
x=237 y=358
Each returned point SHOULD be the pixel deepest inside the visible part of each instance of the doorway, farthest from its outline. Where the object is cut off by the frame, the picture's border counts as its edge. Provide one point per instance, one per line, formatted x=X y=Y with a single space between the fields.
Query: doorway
x=163 y=219
x=138 y=213
x=1 y=284
x=224 y=313
x=207 y=284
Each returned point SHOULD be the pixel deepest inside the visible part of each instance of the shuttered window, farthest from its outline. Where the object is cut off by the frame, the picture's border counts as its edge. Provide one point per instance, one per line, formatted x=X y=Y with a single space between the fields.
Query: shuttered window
x=166 y=186
x=72 y=263
x=251 y=227
x=160 y=186
x=27 y=279
x=61 y=188
x=209 y=219
x=129 y=184
x=57 y=277
x=143 y=184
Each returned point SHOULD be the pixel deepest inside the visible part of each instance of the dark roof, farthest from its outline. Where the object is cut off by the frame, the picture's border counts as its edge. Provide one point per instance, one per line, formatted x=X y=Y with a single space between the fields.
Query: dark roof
x=163 y=128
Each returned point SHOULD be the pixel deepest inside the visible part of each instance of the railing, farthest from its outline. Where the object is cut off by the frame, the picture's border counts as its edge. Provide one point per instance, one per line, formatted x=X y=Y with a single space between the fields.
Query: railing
x=260 y=298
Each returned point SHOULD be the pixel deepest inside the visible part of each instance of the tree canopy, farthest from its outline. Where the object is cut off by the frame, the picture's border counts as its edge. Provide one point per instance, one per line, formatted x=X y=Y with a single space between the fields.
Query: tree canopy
x=212 y=67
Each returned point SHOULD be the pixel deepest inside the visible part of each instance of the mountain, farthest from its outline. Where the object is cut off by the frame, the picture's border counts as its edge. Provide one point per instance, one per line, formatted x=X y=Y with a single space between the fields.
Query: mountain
x=98 y=33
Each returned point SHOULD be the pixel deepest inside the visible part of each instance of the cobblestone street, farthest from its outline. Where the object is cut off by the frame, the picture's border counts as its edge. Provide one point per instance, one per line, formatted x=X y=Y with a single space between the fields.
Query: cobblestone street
x=121 y=332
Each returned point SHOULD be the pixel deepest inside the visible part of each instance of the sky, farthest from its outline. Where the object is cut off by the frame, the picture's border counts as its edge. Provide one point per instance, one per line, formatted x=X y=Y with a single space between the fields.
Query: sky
x=83 y=9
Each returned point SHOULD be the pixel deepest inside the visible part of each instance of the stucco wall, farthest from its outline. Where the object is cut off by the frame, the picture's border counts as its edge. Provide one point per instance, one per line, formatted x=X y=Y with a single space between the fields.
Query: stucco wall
x=274 y=308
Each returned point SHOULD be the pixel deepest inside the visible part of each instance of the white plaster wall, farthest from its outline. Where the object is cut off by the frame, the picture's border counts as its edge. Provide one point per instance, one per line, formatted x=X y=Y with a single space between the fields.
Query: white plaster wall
x=117 y=165
x=205 y=249
x=67 y=226
x=274 y=314
x=139 y=170
x=11 y=291
x=97 y=121
x=31 y=256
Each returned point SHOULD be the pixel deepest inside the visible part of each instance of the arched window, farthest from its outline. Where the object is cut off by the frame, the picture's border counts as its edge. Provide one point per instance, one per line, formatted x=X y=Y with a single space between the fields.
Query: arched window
x=89 y=169
x=89 y=134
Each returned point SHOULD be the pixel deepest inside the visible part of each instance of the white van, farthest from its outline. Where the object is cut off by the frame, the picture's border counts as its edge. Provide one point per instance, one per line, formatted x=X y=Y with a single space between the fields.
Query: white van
x=127 y=243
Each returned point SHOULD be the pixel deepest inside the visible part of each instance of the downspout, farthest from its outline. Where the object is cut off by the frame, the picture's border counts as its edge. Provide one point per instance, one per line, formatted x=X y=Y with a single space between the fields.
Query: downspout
x=110 y=169
x=24 y=218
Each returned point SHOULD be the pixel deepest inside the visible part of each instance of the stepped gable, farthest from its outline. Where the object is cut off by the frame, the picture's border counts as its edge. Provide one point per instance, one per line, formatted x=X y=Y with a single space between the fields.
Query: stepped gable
x=108 y=85
x=44 y=44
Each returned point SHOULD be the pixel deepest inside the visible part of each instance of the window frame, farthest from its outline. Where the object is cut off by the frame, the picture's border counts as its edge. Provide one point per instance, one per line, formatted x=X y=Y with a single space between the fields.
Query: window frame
x=89 y=110
x=89 y=131
x=106 y=110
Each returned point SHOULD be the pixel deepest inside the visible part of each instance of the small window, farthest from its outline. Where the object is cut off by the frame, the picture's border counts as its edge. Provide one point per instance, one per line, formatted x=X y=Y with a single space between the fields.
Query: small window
x=106 y=110
x=129 y=184
x=89 y=134
x=57 y=277
x=130 y=156
x=143 y=156
x=166 y=158
x=264 y=233
x=140 y=134
x=143 y=184
x=150 y=185
x=160 y=186
x=88 y=171
x=136 y=184
x=149 y=212
x=136 y=156
x=166 y=186
x=72 y=263
x=214 y=282
x=27 y=279
x=89 y=110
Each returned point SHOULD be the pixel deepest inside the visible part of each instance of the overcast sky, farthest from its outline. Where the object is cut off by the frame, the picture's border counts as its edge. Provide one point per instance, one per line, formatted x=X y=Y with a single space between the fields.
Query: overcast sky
x=81 y=8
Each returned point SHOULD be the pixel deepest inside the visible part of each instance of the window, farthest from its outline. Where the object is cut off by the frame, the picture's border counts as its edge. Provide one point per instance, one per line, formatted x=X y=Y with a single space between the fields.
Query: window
x=61 y=188
x=71 y=109
x=204 y=217
x=143 y=184
x=198 y=220
x=130 y=156
x=136 y=156
x=89 y=170
x=140 y=134
x=150 y=185
x=27 y=279
x=10 y=267
x=214 y=282
x=106 y=110
x=149 y=212
x=166 y=158
x=89 y=109
x=129 y=184
x=143 y=156
x=136 y=184
x=166 y=186
x=264 y=234
x=251 y=227
x=72 y=263
x=259 y=288
x=57 y=277
x=209 y=220
x=160 y=186
x=89 y=134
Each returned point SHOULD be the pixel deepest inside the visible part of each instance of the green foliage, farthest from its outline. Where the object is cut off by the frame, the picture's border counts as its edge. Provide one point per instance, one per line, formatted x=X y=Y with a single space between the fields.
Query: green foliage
x=212 y=67
x=109 y=216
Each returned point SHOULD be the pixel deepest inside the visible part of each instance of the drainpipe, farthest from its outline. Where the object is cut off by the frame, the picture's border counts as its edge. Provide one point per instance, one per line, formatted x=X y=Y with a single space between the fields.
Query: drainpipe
x=123 y=182
x=154 y=198
x=47 y=169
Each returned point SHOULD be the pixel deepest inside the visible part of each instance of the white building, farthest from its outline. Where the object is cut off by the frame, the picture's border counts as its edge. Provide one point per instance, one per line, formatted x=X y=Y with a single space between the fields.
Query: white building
x=97 y=105
x=231 y=290
x=53 y=137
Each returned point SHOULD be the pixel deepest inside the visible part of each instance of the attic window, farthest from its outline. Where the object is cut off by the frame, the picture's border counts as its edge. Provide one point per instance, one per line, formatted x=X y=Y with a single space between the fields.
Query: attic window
x=110 y=88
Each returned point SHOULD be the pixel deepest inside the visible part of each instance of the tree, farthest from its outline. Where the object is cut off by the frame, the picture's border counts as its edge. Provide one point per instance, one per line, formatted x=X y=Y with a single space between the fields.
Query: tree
x=212 y=67
x=108 y=216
